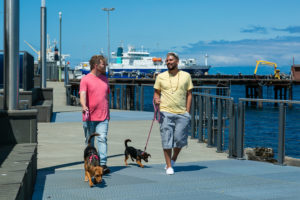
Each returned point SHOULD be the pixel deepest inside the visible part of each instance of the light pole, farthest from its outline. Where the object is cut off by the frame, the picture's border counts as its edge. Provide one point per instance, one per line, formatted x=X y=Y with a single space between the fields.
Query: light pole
x=43 y=44
x=108 y=40
x=11 y=54
x=60 y=49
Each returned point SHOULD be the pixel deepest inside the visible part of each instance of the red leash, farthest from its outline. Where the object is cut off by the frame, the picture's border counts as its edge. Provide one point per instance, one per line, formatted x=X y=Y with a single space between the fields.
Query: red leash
x=156 y=112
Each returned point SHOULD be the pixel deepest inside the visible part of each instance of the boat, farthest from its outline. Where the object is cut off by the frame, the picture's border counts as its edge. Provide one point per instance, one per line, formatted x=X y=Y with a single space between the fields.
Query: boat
x=81 y=69
x=139 y=64
x=52 y=55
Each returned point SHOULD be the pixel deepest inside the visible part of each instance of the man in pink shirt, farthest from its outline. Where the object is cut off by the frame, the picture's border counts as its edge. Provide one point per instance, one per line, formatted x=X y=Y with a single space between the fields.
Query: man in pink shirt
x=94 y=96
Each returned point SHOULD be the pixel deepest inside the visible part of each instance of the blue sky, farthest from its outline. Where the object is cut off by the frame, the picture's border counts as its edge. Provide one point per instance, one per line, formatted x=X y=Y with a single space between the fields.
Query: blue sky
x=231 y=32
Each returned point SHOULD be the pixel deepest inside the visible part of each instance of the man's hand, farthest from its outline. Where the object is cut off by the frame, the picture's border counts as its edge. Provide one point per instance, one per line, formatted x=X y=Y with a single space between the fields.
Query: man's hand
x=156 y=97
x=83 y=101
x=85 y=109
x=156 y=100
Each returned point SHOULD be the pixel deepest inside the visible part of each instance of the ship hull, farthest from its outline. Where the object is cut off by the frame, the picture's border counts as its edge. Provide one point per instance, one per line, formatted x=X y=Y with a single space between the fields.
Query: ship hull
x=148 y=73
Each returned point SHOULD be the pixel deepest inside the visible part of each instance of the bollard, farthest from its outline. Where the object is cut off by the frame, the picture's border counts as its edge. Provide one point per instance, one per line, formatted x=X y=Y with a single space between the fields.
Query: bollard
x=112 y=101
x=118 y=99
x=240 y=131
x=142 y=98
x=232 y=130
x=219 y=124
x=123 y=100
x=209 y=122
x=137 y=95
x=200 y=129
x=281 y=135
x=128 y=99
x=68 y=94
x=131 y=97
x=193 y=117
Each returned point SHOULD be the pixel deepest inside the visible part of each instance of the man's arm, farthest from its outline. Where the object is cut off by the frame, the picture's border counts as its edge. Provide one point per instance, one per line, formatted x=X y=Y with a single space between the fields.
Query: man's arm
x=83 y=101
x=188 y=100
x=156 y=96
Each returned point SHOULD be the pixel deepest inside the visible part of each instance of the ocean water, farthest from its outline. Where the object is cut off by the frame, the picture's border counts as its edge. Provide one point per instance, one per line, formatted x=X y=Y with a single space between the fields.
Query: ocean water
x=261 y=125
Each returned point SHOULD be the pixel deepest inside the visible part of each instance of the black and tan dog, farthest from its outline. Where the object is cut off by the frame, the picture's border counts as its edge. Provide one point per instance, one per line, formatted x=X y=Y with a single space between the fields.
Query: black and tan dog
x=136 y=154
x=91 y=163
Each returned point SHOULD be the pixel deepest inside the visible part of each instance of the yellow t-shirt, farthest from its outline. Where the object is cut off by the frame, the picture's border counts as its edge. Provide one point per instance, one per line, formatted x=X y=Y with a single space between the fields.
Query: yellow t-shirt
x=173 y=91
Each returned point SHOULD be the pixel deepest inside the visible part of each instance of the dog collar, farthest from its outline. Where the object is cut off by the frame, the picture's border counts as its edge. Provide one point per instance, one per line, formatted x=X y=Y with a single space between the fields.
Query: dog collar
x=93 y=156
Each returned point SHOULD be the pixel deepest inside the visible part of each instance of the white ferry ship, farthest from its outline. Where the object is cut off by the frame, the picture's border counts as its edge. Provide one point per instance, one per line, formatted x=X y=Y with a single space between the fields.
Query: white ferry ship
x=139 y=64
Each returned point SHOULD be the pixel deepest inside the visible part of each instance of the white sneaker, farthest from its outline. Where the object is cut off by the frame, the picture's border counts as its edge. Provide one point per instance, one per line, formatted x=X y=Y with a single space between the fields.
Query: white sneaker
x=170 y=171
x=172 y=164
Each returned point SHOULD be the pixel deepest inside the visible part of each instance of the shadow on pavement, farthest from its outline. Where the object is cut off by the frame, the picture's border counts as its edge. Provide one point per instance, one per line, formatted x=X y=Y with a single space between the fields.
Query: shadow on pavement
x=188 y=168
x=115 y=169
x=101 y=185
x=136 y=165
x=5 y=150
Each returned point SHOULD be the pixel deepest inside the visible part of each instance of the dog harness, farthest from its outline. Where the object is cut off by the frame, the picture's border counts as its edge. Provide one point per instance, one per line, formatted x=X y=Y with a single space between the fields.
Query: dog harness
x=93 y=156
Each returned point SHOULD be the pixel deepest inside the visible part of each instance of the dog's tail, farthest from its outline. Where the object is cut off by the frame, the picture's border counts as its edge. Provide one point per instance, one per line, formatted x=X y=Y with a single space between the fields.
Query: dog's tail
x=91 y=136
x=128 y=140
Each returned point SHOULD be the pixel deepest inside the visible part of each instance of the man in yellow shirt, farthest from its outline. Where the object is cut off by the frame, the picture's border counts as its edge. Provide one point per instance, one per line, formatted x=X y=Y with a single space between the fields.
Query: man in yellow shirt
x=173 y=93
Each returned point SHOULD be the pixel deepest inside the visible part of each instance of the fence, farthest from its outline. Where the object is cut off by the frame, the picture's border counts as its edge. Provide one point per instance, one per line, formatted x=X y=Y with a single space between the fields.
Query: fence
x=131 y=96
x=220 y=122
x=216 y=118
x=212 y=116
x=280 y=120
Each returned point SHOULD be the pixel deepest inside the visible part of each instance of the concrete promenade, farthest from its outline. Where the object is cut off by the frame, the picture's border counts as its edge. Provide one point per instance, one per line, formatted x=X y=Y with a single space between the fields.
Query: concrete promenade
x=200 y=172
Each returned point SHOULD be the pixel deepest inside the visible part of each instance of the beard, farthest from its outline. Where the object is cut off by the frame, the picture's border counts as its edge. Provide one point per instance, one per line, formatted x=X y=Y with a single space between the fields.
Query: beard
x=172 y=66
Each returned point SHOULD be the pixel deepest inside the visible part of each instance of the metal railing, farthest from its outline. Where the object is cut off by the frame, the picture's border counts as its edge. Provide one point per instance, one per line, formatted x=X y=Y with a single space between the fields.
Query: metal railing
x=212 y=116
x=216 y=118
x=220 y=122
x=131 y=96
x=222 y=91
x=281 y=123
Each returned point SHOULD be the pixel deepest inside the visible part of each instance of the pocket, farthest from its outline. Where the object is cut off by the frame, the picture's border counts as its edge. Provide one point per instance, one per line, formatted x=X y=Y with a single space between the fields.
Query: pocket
x=188 y=115
x=161 y=117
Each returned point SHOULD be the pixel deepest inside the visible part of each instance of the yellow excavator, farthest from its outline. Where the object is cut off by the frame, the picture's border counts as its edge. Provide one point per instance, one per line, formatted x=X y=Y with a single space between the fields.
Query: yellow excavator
x=37 y=52
x=263 y=62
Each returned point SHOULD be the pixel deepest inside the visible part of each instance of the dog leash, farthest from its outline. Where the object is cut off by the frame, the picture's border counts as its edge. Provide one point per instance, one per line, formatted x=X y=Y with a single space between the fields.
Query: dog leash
x=86 y=115
x=156 y=117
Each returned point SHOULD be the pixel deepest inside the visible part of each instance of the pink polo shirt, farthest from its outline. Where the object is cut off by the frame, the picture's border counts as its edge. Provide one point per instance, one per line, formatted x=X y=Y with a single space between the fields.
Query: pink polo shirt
x=97 y=96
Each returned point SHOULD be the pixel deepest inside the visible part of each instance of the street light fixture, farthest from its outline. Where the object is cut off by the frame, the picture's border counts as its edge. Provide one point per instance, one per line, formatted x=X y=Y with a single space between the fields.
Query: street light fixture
x=108 y=40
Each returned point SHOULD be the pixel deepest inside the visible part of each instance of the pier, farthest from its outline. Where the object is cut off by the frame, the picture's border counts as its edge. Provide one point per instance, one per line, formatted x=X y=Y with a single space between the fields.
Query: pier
x=200 y=172
x=42 y=139
x=133 y=88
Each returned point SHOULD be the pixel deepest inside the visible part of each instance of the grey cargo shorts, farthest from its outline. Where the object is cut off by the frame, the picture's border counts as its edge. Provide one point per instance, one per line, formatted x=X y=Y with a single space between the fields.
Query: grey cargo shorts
x=174 y=129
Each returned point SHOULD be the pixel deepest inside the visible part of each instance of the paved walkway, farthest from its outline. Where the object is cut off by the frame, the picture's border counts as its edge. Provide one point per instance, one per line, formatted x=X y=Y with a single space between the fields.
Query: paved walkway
x=200 y=172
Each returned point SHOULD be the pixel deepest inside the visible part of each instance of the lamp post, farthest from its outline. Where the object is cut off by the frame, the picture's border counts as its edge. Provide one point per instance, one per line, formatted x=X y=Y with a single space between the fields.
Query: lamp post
x=60 y=49
x=43 y=44
x=11 y=54
x=108 y=40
